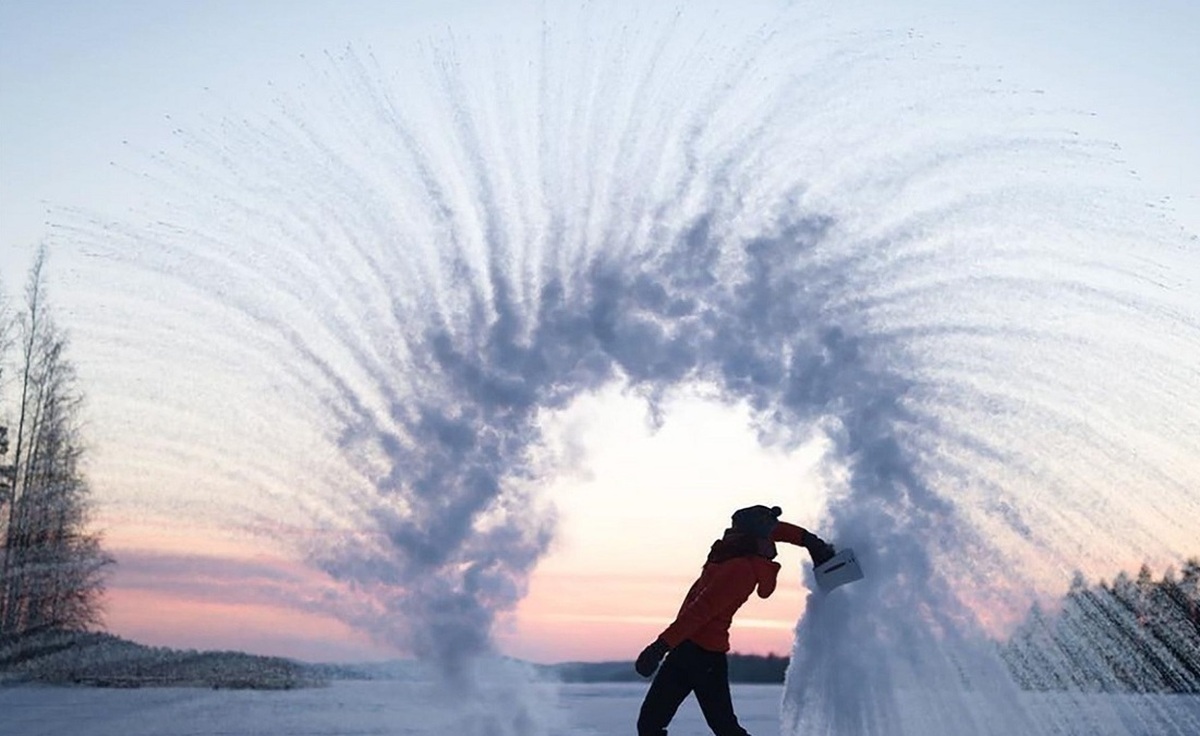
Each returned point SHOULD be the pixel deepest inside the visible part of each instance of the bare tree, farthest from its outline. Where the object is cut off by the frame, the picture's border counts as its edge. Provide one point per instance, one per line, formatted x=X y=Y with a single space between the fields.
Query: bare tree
x=52 y=570
x=7 y=471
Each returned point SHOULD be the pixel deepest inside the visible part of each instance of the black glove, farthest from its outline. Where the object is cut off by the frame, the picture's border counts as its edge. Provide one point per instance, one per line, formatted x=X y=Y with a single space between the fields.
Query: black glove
x=648 y=660
x=818 y=549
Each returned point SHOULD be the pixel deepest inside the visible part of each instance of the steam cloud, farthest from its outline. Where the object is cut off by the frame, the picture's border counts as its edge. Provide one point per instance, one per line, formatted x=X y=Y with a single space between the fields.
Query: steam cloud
x=436 y=269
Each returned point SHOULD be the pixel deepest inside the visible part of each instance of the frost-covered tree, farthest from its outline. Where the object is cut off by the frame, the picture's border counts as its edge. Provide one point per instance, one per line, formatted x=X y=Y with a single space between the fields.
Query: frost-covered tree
x=51 y=570
x=1135 y=634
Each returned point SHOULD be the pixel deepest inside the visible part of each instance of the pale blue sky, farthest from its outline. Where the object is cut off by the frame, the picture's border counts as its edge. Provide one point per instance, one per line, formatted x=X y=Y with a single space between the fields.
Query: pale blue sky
x=78 y=78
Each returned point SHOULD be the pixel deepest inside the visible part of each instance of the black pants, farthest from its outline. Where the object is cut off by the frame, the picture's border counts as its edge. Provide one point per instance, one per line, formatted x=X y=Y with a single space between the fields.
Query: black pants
x=688 y=668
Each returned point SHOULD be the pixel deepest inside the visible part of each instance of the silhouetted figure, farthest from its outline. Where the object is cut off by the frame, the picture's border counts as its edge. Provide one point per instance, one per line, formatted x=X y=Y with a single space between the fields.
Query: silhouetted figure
x=695 y=644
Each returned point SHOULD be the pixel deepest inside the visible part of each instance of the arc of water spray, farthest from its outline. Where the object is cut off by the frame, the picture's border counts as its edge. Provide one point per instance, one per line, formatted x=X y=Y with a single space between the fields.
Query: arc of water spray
x=433 y=282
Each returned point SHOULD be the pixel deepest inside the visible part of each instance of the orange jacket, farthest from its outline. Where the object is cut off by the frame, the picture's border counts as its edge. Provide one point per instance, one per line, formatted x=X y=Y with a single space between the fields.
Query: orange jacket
x=721 y=589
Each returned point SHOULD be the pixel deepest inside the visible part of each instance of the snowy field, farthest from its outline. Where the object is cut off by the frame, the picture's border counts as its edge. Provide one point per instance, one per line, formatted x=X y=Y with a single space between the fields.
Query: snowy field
x=343 y=709
x=393 y=708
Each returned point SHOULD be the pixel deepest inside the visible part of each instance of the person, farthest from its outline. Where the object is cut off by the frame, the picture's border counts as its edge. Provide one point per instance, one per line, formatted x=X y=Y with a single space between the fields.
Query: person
x=696 y=642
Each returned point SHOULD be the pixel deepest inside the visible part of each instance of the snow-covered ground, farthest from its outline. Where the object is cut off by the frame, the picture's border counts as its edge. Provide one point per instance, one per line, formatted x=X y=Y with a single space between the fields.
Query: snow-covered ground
x=380 y=708
x=394 y=708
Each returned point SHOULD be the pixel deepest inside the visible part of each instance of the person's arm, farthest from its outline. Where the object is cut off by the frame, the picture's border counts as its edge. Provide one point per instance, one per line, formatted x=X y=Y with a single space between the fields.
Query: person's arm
x=731 y=585
x=790 y=533
x=817 y=548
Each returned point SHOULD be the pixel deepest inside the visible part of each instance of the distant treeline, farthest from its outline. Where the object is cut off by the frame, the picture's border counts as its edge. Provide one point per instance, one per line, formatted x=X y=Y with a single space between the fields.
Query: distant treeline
x=60 y=657
x=743 y=668
x=1135 y=634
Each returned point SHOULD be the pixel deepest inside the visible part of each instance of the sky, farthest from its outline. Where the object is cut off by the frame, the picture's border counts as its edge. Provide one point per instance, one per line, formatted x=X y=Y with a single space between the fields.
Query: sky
x=84 y=85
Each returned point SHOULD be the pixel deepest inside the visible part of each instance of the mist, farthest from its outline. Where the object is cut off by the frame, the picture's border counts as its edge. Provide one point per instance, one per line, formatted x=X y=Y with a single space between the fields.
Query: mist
x=849 y=234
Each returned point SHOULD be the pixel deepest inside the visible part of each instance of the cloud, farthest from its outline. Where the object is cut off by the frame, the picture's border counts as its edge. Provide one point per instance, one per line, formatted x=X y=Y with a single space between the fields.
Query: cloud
x=761 y=228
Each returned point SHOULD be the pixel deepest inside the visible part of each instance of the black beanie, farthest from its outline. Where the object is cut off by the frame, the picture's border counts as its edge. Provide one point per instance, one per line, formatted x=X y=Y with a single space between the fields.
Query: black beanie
x=757 y=521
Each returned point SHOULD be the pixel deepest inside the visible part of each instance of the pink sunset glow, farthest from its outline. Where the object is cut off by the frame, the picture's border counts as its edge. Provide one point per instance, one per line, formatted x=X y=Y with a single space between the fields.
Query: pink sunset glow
x=624 y=554
x=267 y=605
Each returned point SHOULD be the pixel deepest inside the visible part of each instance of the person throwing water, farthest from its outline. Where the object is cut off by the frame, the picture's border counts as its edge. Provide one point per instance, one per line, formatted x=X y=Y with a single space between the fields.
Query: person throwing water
x=696 y=642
